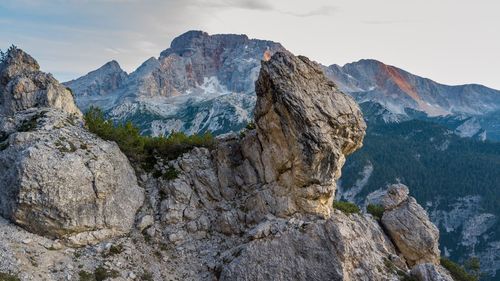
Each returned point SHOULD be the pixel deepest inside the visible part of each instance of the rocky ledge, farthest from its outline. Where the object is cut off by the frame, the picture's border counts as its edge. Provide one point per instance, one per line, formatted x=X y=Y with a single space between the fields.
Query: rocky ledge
x=256 y=207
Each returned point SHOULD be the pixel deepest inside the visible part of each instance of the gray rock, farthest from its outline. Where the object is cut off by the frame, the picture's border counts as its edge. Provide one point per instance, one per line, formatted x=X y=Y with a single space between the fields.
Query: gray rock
x=413 y=233
x=24 y=86
x=395 y=195
x=145 y=222
x=430 y=272
x=341 y=248
x=61 y=181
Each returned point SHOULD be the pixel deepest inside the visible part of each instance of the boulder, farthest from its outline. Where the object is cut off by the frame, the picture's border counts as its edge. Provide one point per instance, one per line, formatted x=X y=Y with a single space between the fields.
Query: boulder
x=409 y=226
x=430 y=272
x=56 y=178
x=60 y=181
x=395 y=195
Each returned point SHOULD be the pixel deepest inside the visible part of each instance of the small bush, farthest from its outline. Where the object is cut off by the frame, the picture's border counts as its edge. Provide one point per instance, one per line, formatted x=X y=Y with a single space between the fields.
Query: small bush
x=144 y=150
x=8 y=277
x=346 y=207
x=86 y=276
x=250 y=126
x=457 y=272
x=101 y=273
x=114 y=250
x=171 y=174
x=375 y=210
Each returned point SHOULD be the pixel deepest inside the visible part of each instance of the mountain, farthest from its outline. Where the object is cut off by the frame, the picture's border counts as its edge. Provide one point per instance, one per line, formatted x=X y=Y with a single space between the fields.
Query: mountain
x=396 y=89
x=214 y=74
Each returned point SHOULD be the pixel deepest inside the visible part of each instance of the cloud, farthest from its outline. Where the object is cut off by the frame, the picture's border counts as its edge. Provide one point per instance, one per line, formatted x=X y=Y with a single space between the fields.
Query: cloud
x=377 y=22
x=321 y=11
x=260 y=5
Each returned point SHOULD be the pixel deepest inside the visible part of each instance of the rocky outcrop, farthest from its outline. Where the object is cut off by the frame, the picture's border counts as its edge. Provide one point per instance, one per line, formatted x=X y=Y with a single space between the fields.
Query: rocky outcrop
x=24 y=86
x=56 y=178
x=305 y=128
x=340 y=248
x=430 y=272
x=409 y=227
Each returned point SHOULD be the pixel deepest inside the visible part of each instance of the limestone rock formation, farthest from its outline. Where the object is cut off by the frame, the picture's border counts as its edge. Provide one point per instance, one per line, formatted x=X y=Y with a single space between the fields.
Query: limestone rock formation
x=409 y=227
x=24 y=86
x=305 y=127
x=56 y=178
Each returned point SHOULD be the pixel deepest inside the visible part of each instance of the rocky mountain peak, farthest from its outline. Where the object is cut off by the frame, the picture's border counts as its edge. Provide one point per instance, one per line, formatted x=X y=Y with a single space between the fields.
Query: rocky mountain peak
x=17 y=60
x=24 y=86
x=188 y=42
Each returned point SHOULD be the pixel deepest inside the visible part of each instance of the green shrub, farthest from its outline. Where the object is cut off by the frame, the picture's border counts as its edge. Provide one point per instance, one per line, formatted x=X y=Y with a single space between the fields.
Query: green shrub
x=346 y=207
x=144 y=150
x=86 y=276
x=457 y=272
x=101 y=273
x=250 y=126
x=8 y=277
x=375 y=210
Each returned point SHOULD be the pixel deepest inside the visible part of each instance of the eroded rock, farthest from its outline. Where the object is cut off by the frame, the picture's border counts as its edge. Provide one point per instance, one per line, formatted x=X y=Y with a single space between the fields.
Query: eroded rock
x=24 y=86
x=61 y=181
x=409 y=226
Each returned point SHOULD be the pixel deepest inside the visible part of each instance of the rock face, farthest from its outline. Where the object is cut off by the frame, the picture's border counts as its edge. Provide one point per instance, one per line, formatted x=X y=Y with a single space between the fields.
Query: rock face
x=305 y=128
x=57 y=179
x=341 y=248
x=24 y=86
x=410 y=227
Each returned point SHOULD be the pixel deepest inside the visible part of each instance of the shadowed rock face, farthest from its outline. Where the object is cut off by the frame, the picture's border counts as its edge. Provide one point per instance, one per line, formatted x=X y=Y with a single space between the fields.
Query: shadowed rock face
x=56 y=178
x=24 y=86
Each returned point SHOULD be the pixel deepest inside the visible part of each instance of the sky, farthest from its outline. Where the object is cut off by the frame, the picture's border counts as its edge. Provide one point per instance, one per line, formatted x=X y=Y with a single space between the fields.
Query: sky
x=449 y=41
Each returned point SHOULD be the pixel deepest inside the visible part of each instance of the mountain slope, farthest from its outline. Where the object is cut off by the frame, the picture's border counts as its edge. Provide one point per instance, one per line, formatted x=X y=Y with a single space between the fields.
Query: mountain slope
x=396 y=89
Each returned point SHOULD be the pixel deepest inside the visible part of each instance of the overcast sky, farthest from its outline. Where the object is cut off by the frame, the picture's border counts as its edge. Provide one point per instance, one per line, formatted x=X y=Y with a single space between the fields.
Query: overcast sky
x=450 y=41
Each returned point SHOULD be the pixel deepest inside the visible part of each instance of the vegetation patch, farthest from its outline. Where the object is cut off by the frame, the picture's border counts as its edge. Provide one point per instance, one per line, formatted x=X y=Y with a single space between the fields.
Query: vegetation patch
x=86 y=276
x=458 y=272
x=101 y=273
x=144 y=150
x=346 y=207
x=114 y=250
x=375 y=210
x=8 y=277
x=250 y=126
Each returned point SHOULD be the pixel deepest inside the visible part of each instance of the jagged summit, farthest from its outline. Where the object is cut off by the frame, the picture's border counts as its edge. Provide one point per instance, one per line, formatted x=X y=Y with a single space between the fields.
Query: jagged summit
x=397 y=89
x=24 y=86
